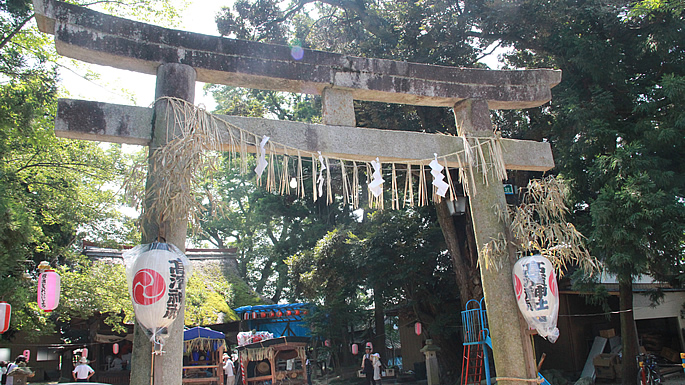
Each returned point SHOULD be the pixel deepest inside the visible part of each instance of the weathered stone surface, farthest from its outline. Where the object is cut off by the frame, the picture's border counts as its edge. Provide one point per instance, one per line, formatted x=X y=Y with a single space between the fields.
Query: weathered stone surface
x=334 y=141
x=98 y=38
x=80 y=119
x=338 y=107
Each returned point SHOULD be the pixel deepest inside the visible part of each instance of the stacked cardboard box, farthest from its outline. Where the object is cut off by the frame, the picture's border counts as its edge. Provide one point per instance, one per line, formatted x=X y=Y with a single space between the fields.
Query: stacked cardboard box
x=605 y=365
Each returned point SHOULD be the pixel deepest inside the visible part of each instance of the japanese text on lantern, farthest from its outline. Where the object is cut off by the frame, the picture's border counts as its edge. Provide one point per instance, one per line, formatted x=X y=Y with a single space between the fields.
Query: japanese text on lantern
x=176 y=278
x=536 y=284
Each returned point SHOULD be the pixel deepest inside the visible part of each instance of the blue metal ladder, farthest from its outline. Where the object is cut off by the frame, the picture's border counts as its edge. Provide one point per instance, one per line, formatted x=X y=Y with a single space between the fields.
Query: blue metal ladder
x=476 y=337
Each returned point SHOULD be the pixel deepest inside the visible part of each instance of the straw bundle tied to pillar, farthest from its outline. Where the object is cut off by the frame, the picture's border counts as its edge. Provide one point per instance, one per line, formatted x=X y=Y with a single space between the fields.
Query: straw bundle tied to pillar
x=193 y=153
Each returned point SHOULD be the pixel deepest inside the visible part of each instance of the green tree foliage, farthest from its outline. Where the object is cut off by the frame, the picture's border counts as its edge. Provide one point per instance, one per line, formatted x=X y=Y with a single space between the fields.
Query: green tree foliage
x=398 y=257
x=266 y=228
x=52 y=191
x=617 y=126
x=208 y=296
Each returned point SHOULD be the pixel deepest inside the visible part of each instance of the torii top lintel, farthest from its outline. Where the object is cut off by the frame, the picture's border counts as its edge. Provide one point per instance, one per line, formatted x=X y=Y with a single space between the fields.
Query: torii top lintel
x=98 y=38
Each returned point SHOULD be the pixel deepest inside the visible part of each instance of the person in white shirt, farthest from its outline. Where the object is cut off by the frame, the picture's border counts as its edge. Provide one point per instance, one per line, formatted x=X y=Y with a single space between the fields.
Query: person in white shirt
x=228 y=369
x=83 y=372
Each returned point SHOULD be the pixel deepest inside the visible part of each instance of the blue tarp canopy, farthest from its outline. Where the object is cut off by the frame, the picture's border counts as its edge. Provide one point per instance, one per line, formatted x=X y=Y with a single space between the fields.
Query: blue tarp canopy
x=200 y=332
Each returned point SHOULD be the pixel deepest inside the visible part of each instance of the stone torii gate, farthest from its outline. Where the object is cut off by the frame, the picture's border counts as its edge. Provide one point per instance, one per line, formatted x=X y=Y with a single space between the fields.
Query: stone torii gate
x=179 y=58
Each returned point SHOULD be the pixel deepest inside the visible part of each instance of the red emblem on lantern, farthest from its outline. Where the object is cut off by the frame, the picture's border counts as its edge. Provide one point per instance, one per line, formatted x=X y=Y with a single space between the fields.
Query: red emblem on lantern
x=148 y=287
x=5 y=315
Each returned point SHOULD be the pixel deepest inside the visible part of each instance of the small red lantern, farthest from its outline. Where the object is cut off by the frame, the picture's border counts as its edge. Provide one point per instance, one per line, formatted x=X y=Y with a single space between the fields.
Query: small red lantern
x=271 y=314
x=288 y=313
x=254 y=315
x=5 y=315
x=279 y=314
x=263 y=314
x=297 y=312
x=304 y=312
x=27 y=354
x=246 y=316
x=115 y=348
x=355 y=349
x=48 y=290
x=327 y=343
x=417 y=328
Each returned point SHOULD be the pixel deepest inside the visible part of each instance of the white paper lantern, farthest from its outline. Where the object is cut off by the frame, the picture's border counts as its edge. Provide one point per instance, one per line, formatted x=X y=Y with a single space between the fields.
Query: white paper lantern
x=157 y=276
x=537 y=294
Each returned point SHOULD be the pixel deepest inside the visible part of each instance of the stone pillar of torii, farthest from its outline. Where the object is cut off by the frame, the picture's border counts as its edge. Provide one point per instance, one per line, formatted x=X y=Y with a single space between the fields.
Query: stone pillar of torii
x=179 y=58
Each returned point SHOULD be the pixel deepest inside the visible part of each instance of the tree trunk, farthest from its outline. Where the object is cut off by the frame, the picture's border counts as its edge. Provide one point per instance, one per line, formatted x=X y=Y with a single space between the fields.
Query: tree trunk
x=379 y=317
x=628 y=330
x=462 y=270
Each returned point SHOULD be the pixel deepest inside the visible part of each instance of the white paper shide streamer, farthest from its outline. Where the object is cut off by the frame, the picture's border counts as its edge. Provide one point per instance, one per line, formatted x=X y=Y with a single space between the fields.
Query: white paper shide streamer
x=438 y=178
x=376 y=184
x=261 y=162
x=320 y=179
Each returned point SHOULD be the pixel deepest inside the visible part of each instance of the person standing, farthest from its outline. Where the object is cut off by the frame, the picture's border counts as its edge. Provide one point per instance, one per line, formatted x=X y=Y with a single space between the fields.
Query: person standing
x=367 y=364
x=229 y=371
x=83 y=372
x=9 y=380
x=377 y=366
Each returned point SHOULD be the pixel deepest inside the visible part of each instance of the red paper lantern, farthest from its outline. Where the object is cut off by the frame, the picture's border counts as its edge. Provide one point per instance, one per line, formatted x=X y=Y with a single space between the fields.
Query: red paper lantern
x=5 y=315
x=115 y=348
x=84 y=353
x=27 y=354
x=304 y=312
x=48 y=290
x=263 y=314
x=355 y=349
x=327 y=343
x=254 y=315
x=271 y=314
x=417 y=328
x=297 y=312
x=279 y=314
x=288 y=312
x=246 y=316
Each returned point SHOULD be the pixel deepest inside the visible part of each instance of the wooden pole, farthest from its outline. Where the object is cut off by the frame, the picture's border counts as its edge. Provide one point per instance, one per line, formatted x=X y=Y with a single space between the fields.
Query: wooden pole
x=174 y=80
x=512 y=348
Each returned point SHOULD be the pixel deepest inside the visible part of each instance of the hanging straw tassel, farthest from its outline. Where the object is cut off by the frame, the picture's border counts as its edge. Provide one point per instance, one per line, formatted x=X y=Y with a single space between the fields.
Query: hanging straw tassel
x=300 y=176
x=355 y=185
x=271 y=175
x=329 y=192
x=243 y=153
x=497 y=155
x=453 y=197
x=409 y=187
x=394 y=199
x=368 y=181
x=285 y=174
x=345 y=183
x=423 y=193
x=314 y=161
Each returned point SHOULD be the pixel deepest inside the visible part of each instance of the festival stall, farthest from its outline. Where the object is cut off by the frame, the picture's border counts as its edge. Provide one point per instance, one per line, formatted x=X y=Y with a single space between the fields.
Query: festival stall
x=202 y=362
x=264 y=360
